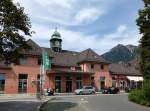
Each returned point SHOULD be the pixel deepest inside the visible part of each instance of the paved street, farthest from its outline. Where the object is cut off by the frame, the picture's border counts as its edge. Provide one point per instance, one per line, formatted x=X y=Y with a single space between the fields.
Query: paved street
x=19 y=103
x=93 y=103
x=19 y=106
x=73 y=103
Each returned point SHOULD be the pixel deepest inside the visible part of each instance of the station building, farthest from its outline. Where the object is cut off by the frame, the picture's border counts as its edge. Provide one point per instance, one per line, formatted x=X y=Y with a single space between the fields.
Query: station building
x=70 y=70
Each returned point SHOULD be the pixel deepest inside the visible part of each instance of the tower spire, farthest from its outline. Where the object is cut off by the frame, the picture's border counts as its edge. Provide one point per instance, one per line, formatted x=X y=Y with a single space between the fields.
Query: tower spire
x=56 y=28
x=55 y=41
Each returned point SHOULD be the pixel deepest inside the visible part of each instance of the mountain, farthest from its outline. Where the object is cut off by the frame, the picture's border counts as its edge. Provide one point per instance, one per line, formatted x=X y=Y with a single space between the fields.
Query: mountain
x=121 y=53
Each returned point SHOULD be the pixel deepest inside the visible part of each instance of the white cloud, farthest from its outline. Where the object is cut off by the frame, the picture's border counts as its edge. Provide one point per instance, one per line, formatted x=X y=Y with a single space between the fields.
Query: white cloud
x=44 y=3
x=75 y=12
x=63 y=12
x=62 y=3
x=121 y=28
x=88 y=15
x=79 y=41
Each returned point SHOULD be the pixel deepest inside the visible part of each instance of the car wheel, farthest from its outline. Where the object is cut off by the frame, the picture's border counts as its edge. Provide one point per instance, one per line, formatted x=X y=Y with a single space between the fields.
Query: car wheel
x=92 y=92
x=80 y=93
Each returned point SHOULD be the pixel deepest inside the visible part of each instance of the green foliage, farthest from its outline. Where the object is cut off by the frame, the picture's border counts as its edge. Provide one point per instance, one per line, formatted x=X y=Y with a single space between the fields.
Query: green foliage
x=144 y=26
x=143 y=22
x=138 y=96
x=146 y=88
x=14 y=24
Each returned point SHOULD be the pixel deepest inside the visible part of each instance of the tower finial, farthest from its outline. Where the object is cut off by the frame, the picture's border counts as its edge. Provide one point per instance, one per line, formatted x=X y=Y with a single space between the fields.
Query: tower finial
x=56 y=28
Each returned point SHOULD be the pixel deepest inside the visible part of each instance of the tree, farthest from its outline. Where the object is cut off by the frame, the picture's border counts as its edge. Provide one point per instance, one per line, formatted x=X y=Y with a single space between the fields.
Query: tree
x=143 y=22
x=14 y=24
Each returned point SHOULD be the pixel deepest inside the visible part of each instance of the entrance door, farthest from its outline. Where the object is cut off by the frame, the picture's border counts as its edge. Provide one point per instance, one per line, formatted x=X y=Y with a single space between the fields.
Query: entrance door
x=102 y=82
x=2 y=83
x=68 y=86
x=58 y=84
x=22 y=85
x=122 y=85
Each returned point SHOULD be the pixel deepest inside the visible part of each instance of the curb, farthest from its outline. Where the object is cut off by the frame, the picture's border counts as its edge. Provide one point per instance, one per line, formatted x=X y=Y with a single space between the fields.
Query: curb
x=40 y=107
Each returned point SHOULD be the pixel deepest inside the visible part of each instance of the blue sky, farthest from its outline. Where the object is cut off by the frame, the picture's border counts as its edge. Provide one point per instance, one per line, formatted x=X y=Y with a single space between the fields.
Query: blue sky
x=96 y=24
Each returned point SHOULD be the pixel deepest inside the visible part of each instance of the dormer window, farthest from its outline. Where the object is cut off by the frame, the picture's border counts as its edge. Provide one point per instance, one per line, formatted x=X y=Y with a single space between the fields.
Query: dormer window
x=23 y=60
x=92 y=66
x=102 y=66
x=39 y=61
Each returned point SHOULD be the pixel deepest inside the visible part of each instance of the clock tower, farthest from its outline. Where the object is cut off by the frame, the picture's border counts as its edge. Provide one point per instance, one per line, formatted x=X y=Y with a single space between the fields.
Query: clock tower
x=55 y=41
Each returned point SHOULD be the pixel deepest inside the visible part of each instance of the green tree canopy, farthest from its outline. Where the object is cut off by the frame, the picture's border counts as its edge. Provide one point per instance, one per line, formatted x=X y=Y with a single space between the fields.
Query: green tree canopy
x=144 y=26
x=14 y=25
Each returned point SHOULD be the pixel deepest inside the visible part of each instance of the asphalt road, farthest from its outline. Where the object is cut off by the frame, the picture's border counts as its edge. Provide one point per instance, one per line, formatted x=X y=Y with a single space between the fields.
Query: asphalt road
x=74 y=103
x=93 y=103
x=19 y=105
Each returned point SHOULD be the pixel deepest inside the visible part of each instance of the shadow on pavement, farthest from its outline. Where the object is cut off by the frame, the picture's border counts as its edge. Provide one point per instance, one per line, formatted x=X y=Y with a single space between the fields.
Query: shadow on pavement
x=19 y=106
x=57 y=106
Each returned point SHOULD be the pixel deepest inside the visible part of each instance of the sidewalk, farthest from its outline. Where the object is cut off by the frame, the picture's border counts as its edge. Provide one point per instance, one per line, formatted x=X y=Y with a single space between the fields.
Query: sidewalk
x=17 y=96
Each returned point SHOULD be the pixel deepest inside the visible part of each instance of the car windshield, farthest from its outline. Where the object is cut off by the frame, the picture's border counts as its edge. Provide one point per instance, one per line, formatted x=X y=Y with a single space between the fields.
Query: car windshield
x=87 y=87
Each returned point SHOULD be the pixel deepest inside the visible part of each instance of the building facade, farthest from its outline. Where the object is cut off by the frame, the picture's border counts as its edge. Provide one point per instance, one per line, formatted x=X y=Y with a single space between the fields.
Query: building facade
x=70 y=70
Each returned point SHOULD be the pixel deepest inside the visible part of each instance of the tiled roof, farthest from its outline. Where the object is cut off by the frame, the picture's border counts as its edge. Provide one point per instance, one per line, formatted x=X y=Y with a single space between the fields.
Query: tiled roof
x=35 y=49
x=64 y=58
x=89 y=55
x=3 y=65
x=71 y=58
x=124 y=69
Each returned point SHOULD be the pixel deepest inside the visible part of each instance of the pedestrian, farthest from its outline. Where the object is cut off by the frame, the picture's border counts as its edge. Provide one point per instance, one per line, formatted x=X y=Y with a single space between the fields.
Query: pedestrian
x=49 y=91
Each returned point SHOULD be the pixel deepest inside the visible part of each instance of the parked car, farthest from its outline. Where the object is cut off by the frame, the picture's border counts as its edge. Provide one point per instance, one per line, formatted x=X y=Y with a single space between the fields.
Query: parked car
x=110 y=90
x=85 y=90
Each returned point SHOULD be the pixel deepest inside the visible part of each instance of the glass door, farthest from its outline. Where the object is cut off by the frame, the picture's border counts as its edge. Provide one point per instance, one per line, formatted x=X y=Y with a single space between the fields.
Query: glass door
x=2 y=83
x=122 y=85
x=69 y=84
x=58 y=84
x=22 y=85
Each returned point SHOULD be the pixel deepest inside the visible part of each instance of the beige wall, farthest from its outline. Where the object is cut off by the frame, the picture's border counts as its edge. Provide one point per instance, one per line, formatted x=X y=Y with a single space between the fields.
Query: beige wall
x=98 y=72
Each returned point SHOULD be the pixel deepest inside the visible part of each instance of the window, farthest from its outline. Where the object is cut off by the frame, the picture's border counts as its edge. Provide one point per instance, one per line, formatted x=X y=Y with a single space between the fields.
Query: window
x=58 y=84
x=92 y=78
x=102 y=78
x=78 y=82
x=92 y=81
x=113 y=83
x=102 y=66
x=68 y=78
x=23 y=60
x=22 y=86
x=38 y=77
x=2 y=82
x=92 y=66
x=39 y=61
x=102 y=82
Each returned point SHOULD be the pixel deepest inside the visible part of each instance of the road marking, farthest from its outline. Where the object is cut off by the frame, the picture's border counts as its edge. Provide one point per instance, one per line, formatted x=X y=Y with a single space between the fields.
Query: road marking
x=83 y=102
x=86 y=97
x=82 y=99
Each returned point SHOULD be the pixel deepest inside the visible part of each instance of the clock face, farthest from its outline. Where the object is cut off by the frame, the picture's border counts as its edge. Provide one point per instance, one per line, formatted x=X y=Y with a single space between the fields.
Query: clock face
x=57 y=43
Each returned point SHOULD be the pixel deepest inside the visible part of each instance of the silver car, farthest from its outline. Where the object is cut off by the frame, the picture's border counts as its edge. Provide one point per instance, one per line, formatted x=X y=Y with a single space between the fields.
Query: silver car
x=85 y=90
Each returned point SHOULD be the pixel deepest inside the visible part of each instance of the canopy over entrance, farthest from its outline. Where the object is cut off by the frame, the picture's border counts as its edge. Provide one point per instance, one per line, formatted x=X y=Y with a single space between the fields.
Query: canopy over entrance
x=135 y=78
x=68 y=71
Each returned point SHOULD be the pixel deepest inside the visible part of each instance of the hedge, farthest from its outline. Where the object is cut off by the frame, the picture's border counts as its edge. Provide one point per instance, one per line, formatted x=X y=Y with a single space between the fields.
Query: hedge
x=138 y=97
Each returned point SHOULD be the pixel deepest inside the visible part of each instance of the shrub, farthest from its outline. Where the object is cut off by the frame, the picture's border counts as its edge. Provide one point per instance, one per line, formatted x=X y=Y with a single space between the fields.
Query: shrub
x=138 y=96
x=146 y=88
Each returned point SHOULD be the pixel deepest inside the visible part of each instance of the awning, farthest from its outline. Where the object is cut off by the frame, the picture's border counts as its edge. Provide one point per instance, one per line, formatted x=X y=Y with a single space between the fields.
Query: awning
x=68 y=71
x=135 y=78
